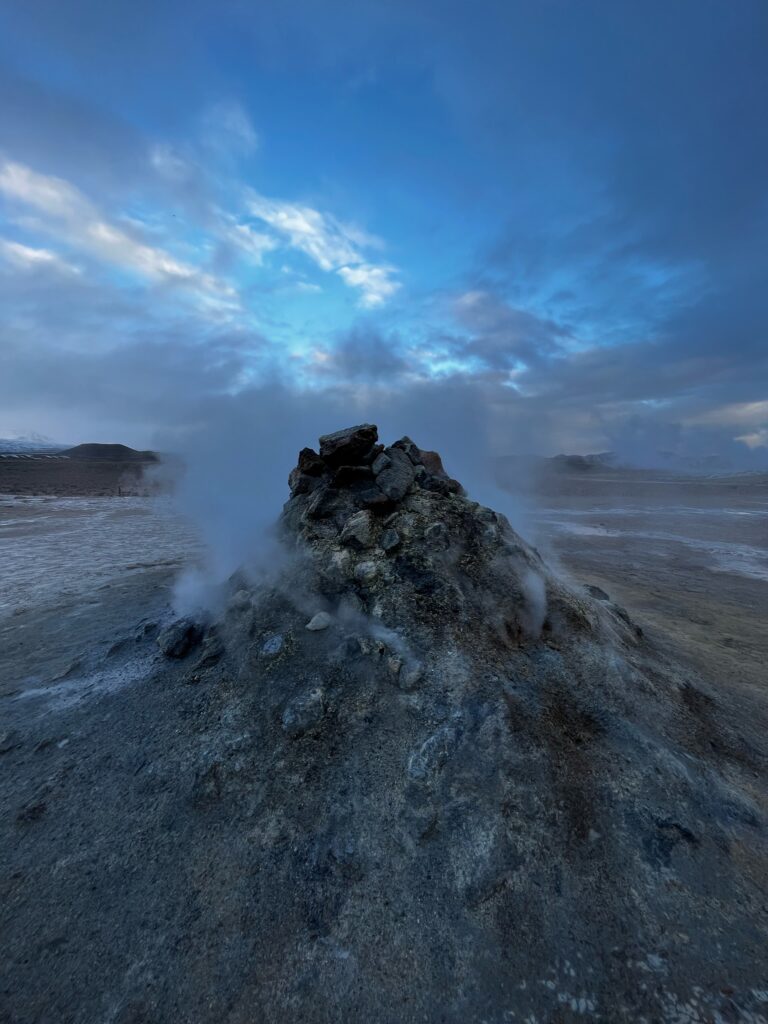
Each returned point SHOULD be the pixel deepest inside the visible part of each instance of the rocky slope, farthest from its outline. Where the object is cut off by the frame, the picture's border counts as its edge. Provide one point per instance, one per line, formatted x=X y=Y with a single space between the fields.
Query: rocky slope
x=415 y=778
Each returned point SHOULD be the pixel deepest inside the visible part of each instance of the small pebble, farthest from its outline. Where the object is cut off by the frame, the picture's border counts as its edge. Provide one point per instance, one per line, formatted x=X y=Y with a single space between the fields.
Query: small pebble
x=272 y=645
x=320 y=621
x=390 y=539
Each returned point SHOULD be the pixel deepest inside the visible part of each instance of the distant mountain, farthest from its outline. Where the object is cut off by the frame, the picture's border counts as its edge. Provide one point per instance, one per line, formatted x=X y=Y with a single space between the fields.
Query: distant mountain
x=109 y=452
x=598 y=460
x=30 y=444
x=537 y=464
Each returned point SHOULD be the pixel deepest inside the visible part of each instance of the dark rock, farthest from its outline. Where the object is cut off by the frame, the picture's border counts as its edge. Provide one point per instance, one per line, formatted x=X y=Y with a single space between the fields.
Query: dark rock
x=305 y=477
x=350 y=446
x=370 y=456
x=381 y=462
x=178 y=639
x=375 y=500
x=303 y=714
x=436 y=536
x=444 y=485
x=412 y=450
x=310 y=462
x=358 y=530
x=390 y=539
x=211 y=651
x=432 y=463
x=302 y=483
x=324 y=504
x=346 y=475
x=596 y=592
x=396 y=479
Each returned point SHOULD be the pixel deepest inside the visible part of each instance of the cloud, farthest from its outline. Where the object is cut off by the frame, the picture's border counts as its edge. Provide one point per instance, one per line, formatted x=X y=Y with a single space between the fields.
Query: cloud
x=73 y=220
x=228 y=129
x=28 y=258
x=503 y=336
x=333 y=246
x=253 y=244
x=375 y=282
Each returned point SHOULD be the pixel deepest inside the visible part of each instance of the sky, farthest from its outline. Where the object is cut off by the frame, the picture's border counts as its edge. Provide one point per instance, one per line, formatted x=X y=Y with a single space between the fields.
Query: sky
x=545 y=221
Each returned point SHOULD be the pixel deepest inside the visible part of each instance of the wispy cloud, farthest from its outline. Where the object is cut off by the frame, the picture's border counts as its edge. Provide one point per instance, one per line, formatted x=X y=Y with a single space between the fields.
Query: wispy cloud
x=332 y=245
x=74 y=220
x=26 y=257
x=228 y=129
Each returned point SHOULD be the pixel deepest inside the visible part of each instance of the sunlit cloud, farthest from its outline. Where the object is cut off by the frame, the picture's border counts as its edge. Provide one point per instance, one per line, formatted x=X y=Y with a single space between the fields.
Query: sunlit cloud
x=73 y=220
x=26 y=257
x=330 y=244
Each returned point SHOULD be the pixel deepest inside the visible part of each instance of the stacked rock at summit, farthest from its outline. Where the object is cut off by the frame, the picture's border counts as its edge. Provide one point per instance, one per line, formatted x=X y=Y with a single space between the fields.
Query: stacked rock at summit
x=388 y=533
x=352 y=462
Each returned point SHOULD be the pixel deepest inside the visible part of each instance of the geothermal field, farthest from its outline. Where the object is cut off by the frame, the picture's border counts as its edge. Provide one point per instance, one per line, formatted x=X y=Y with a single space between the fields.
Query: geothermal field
x=426 y=764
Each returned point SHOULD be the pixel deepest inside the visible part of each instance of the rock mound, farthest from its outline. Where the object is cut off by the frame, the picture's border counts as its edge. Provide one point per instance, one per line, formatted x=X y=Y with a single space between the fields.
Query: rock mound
x=416 y=778
x=483 y=795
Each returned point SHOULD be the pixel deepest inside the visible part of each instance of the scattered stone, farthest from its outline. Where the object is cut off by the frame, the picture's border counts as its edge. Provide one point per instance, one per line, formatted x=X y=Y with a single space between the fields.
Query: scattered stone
x=350 y=446
x=358 y=530
x=390 y=539
x=436 y=536
x=178 y=639
x=321 y=620
x=272 y=645
x=303 y=714
x=366 y=572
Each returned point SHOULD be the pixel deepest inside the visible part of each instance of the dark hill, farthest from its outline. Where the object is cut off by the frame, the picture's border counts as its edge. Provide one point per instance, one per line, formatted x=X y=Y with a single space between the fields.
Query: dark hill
x=110 y=452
